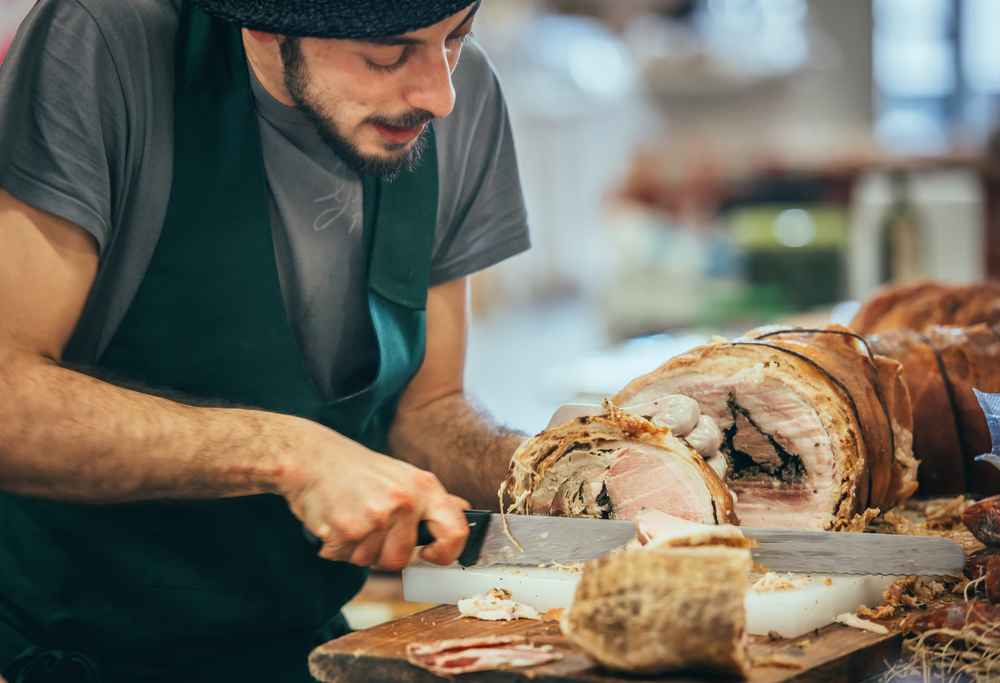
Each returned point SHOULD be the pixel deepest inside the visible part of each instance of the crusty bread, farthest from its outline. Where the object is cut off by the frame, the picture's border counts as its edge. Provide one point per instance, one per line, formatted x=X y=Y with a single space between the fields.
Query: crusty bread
x=664 y=609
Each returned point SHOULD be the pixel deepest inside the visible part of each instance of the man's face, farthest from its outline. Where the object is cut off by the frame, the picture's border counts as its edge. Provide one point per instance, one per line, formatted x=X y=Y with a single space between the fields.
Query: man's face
x=372 y=100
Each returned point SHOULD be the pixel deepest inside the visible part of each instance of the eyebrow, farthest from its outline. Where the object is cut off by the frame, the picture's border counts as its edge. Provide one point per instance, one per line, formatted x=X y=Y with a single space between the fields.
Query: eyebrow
x=403 y=40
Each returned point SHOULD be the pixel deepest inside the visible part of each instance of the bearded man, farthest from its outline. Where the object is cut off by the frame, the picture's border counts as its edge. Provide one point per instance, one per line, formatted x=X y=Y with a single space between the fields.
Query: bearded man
x=235 y=239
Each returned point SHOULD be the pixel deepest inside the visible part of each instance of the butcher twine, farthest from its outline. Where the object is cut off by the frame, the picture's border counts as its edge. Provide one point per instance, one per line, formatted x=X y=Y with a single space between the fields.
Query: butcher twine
x=357 y=19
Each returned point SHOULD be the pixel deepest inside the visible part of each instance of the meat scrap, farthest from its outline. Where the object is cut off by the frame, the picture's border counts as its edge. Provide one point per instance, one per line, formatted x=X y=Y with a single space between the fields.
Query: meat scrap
x=778 y=660
x=854 y=621
x=656 y=529
x=908 y=592
x=773 y=581
x=946 y=513
x=983 y=568
x=976 y=564
x=496 y=604
x=464 y=655
x=662 y=608
x=983 y=520
x=976 y=618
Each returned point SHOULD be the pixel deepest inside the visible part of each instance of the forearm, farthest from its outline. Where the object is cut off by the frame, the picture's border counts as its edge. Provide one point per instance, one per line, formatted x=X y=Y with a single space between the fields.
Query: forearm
x=69 y=436
x=460 y=443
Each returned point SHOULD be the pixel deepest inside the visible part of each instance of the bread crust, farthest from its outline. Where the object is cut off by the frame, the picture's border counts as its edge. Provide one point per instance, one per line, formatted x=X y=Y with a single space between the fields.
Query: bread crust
x=649 y=611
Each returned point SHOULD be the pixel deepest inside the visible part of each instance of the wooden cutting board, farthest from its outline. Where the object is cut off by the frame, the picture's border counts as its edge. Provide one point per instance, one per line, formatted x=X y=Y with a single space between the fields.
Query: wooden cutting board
x=832 y=654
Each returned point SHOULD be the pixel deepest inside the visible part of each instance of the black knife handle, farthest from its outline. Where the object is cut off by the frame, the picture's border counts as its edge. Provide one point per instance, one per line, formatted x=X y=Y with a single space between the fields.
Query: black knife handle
x=478 y=520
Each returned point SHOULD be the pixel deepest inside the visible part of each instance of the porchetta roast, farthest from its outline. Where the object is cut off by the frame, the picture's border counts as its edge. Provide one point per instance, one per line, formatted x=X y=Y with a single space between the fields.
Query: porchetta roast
x=812 y=429
x=617 y=464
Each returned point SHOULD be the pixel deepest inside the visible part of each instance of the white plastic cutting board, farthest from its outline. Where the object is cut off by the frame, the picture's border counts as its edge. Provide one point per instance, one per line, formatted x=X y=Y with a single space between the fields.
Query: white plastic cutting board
x=789 y=613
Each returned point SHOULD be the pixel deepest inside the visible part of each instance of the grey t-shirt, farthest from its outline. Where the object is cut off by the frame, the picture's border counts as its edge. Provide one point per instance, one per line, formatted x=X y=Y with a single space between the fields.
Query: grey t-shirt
x=86 y=133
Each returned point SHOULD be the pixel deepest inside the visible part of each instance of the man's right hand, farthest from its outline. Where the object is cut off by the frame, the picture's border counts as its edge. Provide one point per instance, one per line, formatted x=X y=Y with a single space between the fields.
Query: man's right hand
x=365 y=506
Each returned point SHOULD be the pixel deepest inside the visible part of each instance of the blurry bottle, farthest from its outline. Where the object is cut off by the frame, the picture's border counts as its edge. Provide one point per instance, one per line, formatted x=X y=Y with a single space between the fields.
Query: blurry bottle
x=899 y=235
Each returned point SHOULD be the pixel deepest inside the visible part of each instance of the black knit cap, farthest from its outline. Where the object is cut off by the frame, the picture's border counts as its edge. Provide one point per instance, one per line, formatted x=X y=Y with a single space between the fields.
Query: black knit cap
x=334 y=18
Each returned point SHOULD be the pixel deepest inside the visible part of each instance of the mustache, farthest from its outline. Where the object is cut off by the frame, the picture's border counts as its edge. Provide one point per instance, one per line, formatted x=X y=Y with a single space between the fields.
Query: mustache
x=412 y=119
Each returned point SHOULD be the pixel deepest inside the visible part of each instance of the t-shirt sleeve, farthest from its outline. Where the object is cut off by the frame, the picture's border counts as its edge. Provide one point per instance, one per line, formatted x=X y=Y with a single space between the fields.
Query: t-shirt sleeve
x=62 y=118
x=482 y=218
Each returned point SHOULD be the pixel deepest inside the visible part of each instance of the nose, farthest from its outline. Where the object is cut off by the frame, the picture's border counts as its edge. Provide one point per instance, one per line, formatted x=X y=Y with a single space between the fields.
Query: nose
x=431 y=88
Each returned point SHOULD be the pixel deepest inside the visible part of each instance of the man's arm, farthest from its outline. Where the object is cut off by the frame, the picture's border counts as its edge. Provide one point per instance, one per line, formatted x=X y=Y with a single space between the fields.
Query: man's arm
x=68 y=436
x=440 y=428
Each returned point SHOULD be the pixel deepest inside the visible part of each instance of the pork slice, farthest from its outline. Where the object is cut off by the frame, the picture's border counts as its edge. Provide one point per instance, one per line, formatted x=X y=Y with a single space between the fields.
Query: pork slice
x=464 y=655
x=655 y=529
x=642 y=478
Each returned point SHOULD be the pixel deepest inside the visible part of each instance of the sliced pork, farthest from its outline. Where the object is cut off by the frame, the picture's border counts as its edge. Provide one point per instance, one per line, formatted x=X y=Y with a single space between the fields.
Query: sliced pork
x=676 y=603
x=614 y=466
x=816 y=429
x=452 y=657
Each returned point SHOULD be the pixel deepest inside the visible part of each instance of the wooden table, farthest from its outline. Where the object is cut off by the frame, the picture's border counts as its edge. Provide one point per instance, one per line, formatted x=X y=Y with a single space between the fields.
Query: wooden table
x=833 y=654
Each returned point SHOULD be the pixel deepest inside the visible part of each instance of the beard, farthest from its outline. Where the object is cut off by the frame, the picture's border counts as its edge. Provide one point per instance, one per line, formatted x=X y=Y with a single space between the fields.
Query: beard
x=387 y=168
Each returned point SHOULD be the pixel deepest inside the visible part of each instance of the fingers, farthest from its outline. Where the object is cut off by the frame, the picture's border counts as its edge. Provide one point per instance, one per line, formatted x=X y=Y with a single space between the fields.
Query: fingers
x=337 y=552
x=448 y=526
x=399 y=543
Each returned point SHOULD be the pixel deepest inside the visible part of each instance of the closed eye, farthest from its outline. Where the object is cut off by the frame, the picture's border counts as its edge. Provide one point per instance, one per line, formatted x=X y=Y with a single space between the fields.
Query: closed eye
x=453 y=42
x=375 y=65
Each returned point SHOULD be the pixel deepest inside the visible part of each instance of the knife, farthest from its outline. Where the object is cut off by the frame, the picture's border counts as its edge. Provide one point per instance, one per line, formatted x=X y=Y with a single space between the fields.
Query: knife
x=565 y=540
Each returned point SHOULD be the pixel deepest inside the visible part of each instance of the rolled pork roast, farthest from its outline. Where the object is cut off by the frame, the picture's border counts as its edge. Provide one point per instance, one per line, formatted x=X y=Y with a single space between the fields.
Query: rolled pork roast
x=618 y=464
x=919 y=305
x=816 y=428
x=941 y=367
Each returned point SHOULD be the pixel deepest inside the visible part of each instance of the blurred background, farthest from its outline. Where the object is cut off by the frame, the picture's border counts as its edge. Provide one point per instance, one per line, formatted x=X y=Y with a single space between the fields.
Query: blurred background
x=699 y=167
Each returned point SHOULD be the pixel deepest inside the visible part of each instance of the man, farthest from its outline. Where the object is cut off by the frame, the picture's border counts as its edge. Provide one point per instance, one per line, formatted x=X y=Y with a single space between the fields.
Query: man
x=235 y=237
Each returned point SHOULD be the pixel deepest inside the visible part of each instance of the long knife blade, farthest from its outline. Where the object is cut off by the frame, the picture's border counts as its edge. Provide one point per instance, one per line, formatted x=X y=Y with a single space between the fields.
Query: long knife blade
x=826 y=552
x=544 y=540
x=550 y=540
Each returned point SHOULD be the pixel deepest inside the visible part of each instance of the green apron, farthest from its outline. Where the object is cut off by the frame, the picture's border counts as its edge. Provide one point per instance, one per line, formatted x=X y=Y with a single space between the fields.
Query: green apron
x=218 y=590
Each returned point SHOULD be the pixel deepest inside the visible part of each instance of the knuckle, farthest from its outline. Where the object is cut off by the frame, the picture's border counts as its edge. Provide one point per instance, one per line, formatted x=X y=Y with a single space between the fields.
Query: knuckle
x=400 y=499
x=425 y=481
x=351 y=533
x=378 y=516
